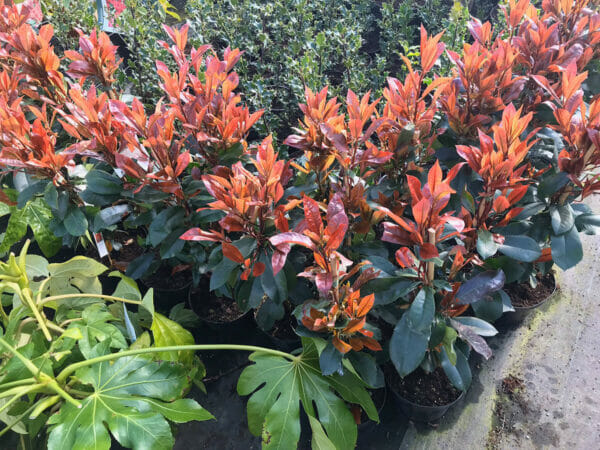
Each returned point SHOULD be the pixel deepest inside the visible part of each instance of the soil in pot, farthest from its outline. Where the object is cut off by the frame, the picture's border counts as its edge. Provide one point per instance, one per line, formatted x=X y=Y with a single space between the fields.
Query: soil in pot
x=213 y=309
x=284 y=329
x=425 y=389
x=524 y=296
x=164 y=280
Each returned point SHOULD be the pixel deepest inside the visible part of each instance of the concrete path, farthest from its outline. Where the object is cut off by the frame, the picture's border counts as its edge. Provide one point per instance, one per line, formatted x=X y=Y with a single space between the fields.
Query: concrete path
x=541 y=388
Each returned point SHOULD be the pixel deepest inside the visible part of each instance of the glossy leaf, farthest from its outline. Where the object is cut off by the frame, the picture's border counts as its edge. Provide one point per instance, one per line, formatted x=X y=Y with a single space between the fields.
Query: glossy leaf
x=521 y=248
x=480 y=286
x=567 y=249
x=562 y=218
x=168 y=333
x=131 y=398
x=485 y=244
x=278 y=387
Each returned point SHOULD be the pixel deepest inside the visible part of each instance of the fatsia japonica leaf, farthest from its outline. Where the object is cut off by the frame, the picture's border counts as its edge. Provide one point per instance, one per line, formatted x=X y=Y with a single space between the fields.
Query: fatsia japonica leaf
x=131 y=398
x=279 y=386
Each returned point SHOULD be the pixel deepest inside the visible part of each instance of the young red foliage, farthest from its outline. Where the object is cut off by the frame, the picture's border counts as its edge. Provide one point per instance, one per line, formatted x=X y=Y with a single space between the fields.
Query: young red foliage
x=205 y=100
x=96 y=59
x=323 y=240
x=500 y=166
x=250 y=201
x=484 y=82
x=408 y=106
x=351 y=310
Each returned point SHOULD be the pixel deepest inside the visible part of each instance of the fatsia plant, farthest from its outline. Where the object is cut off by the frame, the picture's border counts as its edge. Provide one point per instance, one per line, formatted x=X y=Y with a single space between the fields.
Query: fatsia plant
x=60 y=362
x=279 y=386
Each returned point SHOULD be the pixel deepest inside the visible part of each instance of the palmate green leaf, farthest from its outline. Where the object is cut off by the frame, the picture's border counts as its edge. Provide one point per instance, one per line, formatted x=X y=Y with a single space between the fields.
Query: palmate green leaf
x=79 y=274
x=169 y=333
x=278 y=387
x=131 y=398
x=95 y=327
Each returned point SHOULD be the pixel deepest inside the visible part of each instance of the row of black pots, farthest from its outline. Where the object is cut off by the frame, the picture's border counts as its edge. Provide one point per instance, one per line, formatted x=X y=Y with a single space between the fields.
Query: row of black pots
x=412 y=410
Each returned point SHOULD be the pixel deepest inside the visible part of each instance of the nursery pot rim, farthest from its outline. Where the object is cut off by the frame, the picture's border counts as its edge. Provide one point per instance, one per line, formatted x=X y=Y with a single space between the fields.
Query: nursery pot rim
x=422 y=413
x=537 y=305
x=520 y=311
x=369 y=421
x=447 y=405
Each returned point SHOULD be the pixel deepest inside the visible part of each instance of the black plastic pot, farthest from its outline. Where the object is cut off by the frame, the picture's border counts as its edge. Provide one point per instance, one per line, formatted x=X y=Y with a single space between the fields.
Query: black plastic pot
x=521 y=312
x=420 y=413
x=369 y=424
x=285 y=345
x=165 y=299
x=195 y=296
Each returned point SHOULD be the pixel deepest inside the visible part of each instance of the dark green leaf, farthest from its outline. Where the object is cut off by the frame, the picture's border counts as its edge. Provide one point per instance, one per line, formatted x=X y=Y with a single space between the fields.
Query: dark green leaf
x=562 y=218
x=421 y=311
x=521 y=248
x=552 y=183
x=567 y=250
x=103 y=183
x=164 y=224
x=76 y=222
x=459 y=374
x=407 y=346
x=367 y=368
x=531 y=209
x=330 y=360
x=138 y=267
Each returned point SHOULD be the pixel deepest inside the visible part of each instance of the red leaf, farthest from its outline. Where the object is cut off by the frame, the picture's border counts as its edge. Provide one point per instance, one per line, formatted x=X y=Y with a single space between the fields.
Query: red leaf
x=428 y=251
x=232 y=252
x=279 y=257
x=292 y=237
x=365 y=305
x=258 y=269
x=341 y=346
x=312 y=215
x=405 y=258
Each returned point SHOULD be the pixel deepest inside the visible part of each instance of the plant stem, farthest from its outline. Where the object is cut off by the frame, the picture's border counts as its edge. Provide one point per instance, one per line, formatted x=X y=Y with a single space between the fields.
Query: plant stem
x=62 y=376
x=26 y=362
x=430 y=264
x=105 y=297
x=17 y=383
x=19 y=391
x=18 y=396
x=29 y=300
